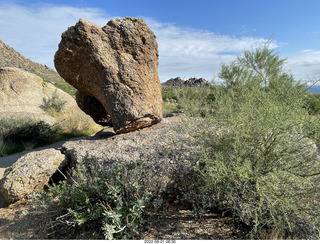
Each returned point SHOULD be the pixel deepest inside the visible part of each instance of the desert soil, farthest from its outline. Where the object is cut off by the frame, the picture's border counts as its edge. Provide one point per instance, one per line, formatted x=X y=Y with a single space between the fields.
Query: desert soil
x=21 y=221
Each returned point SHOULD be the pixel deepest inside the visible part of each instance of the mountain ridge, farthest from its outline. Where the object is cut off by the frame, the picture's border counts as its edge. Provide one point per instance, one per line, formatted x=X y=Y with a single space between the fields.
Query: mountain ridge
x=11 y=58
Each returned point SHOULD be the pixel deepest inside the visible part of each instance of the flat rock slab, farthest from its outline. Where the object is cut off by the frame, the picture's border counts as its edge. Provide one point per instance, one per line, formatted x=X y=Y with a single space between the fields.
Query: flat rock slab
x=164 y=148
x=7 y=161
x=166 y=151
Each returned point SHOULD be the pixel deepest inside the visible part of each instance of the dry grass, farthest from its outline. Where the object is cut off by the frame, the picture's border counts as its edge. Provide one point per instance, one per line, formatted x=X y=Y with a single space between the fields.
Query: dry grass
x=74 y=121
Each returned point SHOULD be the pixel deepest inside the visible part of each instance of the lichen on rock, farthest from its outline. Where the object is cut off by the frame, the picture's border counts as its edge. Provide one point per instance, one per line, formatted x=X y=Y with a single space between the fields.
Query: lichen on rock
x=30 y=173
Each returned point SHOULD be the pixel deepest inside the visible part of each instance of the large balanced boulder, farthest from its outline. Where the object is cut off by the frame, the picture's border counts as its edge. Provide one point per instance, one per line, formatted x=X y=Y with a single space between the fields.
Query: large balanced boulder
x=23 y=94
x=116 y=66
x=30 y=173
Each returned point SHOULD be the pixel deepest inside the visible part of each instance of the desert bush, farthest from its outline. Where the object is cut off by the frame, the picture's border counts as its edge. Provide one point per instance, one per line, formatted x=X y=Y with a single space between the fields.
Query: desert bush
x=313 y=103
x=169 y=108
x=54 y=103
x=30 y=131
x=20 y=134
x=192 y=101
x=169 y=93
x=7 y=124
x=263 y=164
x=66 y=87
x=115 y=200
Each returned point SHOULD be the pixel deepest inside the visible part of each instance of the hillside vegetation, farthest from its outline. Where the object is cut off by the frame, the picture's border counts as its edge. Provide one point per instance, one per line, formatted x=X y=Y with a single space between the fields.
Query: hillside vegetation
x=258 y=159
x=264 y=165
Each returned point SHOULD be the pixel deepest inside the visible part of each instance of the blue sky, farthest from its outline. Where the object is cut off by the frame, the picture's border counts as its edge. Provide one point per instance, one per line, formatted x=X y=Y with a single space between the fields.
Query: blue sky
x=194 y=37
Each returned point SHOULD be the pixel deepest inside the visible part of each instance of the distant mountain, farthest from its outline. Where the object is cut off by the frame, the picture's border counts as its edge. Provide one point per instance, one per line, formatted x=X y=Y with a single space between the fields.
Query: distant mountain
x=11 y=58
x=192 y=82
x=314 y=89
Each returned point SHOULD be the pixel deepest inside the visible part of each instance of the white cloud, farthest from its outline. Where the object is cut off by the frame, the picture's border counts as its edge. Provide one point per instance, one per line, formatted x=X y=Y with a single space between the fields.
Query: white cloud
x=305 y=65
x=35 y=32
x=189 y=52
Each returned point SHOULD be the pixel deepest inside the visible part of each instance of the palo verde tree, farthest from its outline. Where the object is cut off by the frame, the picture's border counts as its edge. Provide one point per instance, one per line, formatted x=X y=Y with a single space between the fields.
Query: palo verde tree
x=263 y=165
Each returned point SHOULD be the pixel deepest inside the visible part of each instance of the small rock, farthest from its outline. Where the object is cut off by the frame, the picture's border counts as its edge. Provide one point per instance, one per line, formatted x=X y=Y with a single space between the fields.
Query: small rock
x=30 y=173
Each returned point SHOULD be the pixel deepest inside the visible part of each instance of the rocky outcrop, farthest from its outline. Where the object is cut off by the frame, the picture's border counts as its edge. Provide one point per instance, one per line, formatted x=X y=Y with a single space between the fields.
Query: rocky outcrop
x=11 y=58
x=192 y=82
x=177 y=82
x=167 y=152
x=118 y=66
x=164 y=149
x=30 y=173
x=23 y=94
x=195 y=82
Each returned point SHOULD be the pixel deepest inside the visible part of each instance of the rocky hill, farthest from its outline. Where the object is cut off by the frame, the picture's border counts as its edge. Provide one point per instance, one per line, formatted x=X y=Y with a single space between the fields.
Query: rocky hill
x=11 y=58
x=192 y=82
x=23 y=94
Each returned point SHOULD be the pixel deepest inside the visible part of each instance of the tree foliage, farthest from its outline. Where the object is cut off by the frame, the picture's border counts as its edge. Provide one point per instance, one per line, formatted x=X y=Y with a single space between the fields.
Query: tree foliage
x=263 y=165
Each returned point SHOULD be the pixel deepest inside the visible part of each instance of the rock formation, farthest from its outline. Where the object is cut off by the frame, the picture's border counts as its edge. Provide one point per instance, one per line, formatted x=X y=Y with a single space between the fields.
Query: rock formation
x=117 y=65
x=165 y=151
x=195 y=82
x=192 y=82
x=11 y=58
x=162 y=147
x=177 y=82
x=30 y=173
x=23 y=94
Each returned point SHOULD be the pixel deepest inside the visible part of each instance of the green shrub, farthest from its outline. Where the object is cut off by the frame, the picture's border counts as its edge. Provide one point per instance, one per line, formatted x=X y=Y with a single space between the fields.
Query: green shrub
x=38 y=132
x=116 y=200
x=7 y=124
x=261 y=163
x=20 y=134
x=265 y=170
x=194 y=102
x=313 y=103
x=169 y=94
x=55 y=102
x=169 y=108
x=66 y=87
